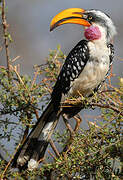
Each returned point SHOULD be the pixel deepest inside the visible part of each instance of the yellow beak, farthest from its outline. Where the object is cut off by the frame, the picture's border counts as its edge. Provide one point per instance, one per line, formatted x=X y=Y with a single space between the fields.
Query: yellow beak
x=72 y=16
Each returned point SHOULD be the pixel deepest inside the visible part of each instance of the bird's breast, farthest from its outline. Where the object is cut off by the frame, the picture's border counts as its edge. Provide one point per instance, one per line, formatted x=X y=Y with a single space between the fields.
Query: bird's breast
x=93 y=73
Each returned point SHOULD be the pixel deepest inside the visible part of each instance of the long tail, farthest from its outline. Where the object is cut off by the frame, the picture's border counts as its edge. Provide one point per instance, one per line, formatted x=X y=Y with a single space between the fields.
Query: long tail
x=36 y=143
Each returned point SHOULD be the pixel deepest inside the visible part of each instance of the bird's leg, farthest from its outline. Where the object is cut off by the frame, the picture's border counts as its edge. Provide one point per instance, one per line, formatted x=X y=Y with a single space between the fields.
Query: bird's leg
x=78 y=122
x=65 y=119
x=70 y=140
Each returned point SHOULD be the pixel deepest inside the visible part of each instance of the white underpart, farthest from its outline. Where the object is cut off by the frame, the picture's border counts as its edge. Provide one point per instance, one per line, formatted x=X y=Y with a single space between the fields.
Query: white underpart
x=95 y=70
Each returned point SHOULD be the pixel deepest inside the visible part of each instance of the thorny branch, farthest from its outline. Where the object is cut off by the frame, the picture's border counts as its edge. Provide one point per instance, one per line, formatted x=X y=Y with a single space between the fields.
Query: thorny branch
x=105 y=101
x=107 y=106
x=5 y=32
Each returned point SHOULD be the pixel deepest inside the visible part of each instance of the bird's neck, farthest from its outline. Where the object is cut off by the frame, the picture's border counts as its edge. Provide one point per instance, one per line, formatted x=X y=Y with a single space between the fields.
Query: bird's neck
x=96 y=34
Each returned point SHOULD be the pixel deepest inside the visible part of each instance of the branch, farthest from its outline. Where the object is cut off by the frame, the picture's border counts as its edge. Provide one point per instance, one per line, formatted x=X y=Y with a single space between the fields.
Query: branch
x=7 y=166
x=5 y=26
x=107 y=106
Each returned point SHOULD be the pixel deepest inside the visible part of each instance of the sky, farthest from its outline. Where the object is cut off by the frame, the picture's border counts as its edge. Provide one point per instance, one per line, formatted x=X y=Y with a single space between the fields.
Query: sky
x=29 y=27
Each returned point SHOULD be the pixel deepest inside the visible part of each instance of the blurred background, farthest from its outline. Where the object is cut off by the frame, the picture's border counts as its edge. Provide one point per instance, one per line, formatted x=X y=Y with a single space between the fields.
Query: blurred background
x=29 y=22
x=29 y=26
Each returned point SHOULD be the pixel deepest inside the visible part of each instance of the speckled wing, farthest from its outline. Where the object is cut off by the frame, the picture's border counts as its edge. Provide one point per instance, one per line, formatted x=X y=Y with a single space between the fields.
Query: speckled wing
x=73 y=66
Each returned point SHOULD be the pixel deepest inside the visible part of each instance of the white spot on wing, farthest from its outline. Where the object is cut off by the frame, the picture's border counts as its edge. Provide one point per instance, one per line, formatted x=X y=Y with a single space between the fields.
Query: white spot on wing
x=68 y=65
x=63 y=74
x=77 y=63
x=68 y=73
x=46 y=130
x=86 y=47
x=83 y=55
x=79 y=68
x=84 y=50
x=66 y=79
x=77 y=71
x=73 y=75
x=71 y=78
x=82 y=63
x=74 y=67
x=75 y=58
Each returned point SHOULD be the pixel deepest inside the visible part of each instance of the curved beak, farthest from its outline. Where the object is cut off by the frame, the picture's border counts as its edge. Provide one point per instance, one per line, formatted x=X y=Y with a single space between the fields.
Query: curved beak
x=72 y=16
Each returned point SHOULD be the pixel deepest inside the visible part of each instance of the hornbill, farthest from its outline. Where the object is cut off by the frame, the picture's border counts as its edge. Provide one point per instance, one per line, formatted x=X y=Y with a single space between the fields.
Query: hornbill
x=84 y=69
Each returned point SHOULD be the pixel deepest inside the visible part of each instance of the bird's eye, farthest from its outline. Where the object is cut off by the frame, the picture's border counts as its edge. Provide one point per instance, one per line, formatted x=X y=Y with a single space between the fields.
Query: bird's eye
x=90 y=17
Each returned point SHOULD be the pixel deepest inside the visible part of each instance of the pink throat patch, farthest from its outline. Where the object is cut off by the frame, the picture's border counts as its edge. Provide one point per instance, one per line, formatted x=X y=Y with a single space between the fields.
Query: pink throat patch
x=92 y=33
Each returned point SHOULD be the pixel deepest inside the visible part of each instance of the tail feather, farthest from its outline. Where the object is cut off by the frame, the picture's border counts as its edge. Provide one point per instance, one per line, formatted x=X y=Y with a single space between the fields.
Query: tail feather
x=36 y=143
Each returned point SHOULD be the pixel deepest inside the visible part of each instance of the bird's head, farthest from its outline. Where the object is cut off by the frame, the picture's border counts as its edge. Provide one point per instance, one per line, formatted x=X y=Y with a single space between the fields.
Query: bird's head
x=97 y=24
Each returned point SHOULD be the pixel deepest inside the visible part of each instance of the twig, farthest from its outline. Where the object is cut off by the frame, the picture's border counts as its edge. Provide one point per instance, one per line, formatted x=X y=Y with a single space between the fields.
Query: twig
x=41 y=160
x=10 y=161
x=5 y=26
x=54 y=147
x=21 y=81
x=107 y=106
x=3 y=112
x=18 y=75
x=34 y=79
x=13 y=60
x=51 y=154
x=110 y=99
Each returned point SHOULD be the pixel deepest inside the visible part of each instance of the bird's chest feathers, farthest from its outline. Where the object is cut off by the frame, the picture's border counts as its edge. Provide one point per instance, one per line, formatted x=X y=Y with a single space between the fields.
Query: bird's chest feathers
x=94 y=72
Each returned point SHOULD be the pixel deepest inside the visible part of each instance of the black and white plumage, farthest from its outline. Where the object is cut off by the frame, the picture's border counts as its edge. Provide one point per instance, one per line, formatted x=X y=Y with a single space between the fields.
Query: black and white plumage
x=85 y=68
x=73 y=66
